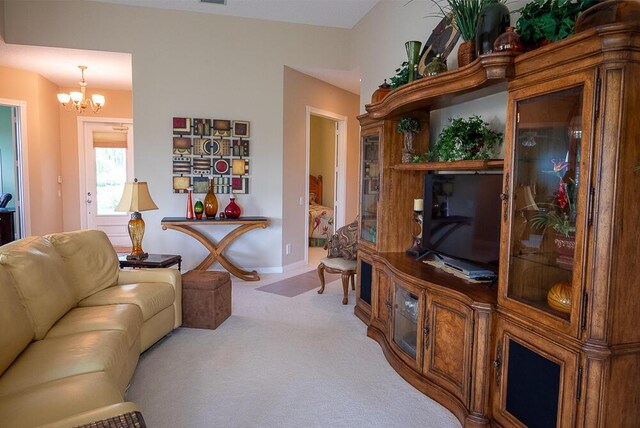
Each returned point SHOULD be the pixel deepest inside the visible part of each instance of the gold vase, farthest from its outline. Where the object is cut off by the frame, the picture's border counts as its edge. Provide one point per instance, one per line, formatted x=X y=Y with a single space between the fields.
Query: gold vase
x=210 y=202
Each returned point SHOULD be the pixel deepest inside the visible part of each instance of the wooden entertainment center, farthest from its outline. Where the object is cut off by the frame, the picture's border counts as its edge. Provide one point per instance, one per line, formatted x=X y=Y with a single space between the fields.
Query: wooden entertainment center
x=503 y=355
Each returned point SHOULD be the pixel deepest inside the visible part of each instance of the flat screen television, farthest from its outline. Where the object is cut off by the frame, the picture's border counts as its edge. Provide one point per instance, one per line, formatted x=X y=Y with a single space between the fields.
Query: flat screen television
x=461 y=218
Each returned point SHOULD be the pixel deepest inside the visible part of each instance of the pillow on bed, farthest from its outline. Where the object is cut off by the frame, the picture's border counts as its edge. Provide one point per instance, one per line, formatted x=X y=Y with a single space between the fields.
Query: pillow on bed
x=344 y=243
x=312 y=198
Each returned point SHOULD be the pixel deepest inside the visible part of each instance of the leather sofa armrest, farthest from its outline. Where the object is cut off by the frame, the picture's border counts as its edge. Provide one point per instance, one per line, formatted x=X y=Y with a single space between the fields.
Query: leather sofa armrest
x=95 y=415
x=171 y=276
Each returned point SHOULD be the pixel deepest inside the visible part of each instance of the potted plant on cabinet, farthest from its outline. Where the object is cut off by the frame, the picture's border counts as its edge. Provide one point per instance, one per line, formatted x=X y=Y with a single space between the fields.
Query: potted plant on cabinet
x=408 y=126
x=464 y=139
x=464 y=16
x=545 y=21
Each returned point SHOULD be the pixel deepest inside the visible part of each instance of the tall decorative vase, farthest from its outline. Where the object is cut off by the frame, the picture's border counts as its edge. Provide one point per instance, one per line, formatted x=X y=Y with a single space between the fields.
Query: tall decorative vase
x=210 y=202
x=232 y=210
x=466 y=53
x=493 y=20
x=190 y=215
x=407 y=150
x=413 y=54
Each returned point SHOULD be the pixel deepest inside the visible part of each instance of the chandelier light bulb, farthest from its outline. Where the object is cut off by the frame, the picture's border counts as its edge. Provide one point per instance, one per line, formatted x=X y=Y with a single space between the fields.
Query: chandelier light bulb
x=64 y=98
x=98 y=99
x=76 y=96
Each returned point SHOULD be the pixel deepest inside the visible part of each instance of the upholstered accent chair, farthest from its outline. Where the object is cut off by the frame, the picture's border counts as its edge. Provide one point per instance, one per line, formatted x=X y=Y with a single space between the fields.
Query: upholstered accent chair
x=341 y=258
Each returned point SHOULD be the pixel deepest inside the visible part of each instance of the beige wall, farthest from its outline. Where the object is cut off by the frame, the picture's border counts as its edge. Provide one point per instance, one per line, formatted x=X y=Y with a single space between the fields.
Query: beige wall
x=322 y=148
x=196 y=65
x=301 y=91
x=43 y=145
x=118 y=104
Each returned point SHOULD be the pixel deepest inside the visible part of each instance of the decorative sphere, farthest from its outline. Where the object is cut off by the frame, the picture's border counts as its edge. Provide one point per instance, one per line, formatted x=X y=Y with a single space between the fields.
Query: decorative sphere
x=559 y=297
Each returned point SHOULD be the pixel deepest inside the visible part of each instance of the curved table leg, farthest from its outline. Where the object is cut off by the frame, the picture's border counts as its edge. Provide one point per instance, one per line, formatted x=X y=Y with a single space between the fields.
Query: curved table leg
x=321 y=275
x=216 y=250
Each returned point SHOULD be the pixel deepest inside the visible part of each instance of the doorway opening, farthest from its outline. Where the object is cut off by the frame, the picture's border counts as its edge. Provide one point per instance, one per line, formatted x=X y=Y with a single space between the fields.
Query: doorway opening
x=14 y=173
x=105 y=153
x=325 y=179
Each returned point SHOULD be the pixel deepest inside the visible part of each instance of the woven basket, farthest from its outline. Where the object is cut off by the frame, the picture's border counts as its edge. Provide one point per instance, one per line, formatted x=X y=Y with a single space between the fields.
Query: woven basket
x=466 y=53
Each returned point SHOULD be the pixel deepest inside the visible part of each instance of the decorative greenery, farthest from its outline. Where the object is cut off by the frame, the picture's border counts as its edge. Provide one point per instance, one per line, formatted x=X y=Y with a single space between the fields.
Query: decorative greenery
x=401 y=77
x=464 y=139
x=408 y=124
x=549 y=19
x=560 y=215
x=463 y=14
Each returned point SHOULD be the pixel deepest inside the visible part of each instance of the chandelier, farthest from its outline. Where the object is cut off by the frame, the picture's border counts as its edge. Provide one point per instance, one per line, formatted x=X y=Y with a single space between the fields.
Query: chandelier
x=78 y=100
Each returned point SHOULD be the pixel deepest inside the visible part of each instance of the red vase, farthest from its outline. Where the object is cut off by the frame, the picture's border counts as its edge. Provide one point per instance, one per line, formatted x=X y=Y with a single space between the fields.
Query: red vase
x=190 y=215
x=232 y=210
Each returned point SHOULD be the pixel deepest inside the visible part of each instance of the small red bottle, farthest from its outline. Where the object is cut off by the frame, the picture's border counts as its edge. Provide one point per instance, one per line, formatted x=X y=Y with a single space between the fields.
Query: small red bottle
x=232 y=210
x=190 y=215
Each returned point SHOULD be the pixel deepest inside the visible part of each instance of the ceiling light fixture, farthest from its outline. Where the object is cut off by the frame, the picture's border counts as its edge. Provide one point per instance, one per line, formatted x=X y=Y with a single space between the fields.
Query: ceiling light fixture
x=78 y=100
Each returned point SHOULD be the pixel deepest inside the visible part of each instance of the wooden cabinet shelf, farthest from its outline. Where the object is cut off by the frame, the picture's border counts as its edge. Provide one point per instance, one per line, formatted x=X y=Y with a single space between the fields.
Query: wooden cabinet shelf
x=485 y=76
x=466 y=165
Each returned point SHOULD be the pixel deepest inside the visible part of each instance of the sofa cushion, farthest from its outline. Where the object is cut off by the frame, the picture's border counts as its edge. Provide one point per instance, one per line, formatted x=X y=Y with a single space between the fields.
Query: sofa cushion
x=89 y=258
x=52 y=359
x=15 y=325
x=52 y=401
x=151 y=297
x=126 y=318
x=36 y=269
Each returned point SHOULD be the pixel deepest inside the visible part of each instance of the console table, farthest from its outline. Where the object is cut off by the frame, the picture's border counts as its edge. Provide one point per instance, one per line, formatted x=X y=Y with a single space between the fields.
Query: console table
x=245 y=224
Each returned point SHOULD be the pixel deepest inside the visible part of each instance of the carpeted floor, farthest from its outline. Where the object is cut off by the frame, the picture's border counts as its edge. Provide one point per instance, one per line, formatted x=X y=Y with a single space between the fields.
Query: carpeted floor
x=291 y=287
x=278 y=361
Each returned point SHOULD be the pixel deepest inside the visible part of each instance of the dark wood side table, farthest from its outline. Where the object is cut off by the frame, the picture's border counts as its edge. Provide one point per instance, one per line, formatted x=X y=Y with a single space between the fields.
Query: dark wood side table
x=7 y=232
x=153 y=261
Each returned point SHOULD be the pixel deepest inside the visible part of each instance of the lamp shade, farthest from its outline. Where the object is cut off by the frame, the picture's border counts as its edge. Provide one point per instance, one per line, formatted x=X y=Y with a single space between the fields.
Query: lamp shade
x=136 y=197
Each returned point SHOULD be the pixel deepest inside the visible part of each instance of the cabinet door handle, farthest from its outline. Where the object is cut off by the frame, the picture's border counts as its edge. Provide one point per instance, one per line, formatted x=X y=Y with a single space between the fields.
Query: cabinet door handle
x=504 y=197
x=426 y=332
x=497 y=363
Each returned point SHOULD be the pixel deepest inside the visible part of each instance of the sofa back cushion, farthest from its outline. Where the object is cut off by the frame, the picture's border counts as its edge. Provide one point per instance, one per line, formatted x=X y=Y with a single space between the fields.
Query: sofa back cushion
x=90 y=262
x=15 y=325
x=37 y=271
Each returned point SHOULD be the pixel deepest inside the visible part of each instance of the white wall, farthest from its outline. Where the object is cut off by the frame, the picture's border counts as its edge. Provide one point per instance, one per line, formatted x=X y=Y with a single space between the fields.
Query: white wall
x=194 y=65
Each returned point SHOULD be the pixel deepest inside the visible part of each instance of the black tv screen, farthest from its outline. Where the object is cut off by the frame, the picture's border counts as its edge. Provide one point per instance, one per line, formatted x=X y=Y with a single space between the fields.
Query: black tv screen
x=461 y=217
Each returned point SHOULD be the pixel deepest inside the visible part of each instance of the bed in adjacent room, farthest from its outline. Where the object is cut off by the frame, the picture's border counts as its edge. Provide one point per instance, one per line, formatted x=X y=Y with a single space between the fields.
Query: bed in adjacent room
x=320 y=216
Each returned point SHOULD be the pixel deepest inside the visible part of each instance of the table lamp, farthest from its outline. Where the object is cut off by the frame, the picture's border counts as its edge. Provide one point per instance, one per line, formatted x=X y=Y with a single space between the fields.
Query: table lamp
x=136 y=198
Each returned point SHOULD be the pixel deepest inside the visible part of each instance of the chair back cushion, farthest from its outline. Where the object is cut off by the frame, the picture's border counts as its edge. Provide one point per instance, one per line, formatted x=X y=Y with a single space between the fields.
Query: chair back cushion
x=35 y=267
x=90 y=261
x=344 y=243
x=15 y=324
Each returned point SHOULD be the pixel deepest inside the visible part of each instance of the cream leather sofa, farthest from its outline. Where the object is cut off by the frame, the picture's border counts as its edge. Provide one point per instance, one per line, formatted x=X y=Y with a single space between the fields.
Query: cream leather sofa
x=72 y=326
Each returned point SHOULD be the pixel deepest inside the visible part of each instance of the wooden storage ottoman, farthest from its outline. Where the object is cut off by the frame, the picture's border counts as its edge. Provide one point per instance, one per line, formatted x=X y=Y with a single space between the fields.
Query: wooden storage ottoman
x=206 y=298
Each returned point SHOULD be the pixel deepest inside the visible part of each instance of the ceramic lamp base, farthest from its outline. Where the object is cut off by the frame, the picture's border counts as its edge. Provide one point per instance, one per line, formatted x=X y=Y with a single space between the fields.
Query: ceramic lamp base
x=136 y=232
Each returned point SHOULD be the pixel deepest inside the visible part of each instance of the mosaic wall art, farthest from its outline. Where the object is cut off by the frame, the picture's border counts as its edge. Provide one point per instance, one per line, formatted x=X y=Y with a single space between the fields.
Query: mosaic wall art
x=204 y=148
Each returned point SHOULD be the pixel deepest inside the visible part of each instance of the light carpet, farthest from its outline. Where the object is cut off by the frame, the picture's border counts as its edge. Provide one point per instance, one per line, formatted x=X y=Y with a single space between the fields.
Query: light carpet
x=291 y=287
x=279 y=362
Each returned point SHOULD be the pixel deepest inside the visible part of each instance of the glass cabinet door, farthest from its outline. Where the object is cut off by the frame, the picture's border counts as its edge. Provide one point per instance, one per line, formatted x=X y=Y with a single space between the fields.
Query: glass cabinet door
x=546 y=183
x=405 y=321
x=370 y=182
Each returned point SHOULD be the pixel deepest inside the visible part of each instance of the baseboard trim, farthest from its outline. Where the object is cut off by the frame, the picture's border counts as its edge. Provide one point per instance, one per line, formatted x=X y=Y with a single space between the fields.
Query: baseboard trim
x=292 y=266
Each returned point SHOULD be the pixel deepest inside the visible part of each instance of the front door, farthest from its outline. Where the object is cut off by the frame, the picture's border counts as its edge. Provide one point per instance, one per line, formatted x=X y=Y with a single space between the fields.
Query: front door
x=108 y=149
